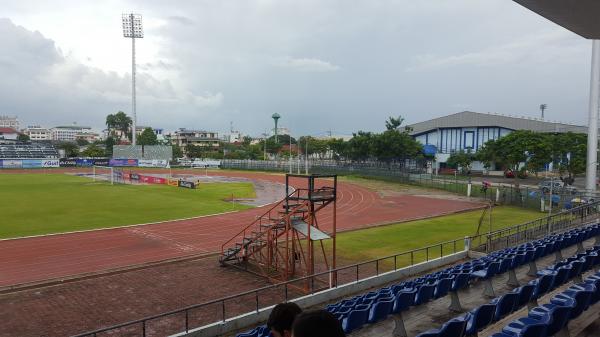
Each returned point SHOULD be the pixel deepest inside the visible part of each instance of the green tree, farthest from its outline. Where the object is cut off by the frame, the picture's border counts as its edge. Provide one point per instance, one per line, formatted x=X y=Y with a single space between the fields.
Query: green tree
x=93 y=150
x=177 y=152
x=570 y=153
x=360 y=146
x=462 y=160
x=23 y=137
x=338 y=147
x=71 y=149
x=109 y=142
x=148 y=137
x=393 y=123
x=119 y=122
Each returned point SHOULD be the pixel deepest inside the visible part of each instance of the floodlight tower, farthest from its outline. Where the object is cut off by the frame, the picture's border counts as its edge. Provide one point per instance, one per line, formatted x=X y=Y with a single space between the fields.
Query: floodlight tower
x=132 y=28
x=276 y=117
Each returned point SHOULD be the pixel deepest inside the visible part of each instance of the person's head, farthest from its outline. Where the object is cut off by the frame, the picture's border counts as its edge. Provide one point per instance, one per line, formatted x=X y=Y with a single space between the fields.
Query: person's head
x=281 y=319
x=317 y=323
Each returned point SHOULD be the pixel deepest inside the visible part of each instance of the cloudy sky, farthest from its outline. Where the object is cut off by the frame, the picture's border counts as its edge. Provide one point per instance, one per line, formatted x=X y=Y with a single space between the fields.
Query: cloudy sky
x=321 y=64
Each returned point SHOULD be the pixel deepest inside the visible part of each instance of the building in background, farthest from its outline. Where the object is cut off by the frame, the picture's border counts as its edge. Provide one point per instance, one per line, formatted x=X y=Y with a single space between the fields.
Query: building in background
x=468 y=131
x=184 y=137
x=8 y=134
x=74 y=132
x=234 y=137
x=37 y=133
x=9 y=122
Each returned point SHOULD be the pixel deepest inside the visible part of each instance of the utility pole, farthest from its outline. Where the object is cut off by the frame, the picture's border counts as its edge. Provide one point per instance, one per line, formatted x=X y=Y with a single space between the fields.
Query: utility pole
x=306 y=156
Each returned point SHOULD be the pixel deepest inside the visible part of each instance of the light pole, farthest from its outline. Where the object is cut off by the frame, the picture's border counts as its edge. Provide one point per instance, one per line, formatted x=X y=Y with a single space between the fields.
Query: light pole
x=265 y=141
x=132 y=28
x=306 y=156
x=592 y=139
x=290 y=135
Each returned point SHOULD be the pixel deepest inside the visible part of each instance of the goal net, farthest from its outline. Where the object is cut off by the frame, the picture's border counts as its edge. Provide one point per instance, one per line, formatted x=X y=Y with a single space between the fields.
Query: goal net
x=107 y=173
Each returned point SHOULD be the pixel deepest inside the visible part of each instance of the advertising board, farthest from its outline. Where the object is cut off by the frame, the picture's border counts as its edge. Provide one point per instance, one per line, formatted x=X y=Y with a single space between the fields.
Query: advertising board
x=123 y=162
x=12 y=163
x=50 y=163
x=67 y=162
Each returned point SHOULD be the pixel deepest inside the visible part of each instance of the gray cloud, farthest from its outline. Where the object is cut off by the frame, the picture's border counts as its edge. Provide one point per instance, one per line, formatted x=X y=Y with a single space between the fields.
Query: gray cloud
x=322 y=65
x=42 y=85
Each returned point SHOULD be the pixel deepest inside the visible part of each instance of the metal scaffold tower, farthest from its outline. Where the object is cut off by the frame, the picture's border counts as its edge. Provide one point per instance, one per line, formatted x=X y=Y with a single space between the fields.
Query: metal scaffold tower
x=290 y=239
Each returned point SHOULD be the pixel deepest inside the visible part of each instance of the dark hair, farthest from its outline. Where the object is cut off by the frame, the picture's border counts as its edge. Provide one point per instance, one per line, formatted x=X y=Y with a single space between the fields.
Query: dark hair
x=282 y=316
x=317 y=323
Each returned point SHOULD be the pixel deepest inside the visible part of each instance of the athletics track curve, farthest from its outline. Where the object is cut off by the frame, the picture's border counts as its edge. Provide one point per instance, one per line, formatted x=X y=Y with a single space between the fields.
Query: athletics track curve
x=42 y=258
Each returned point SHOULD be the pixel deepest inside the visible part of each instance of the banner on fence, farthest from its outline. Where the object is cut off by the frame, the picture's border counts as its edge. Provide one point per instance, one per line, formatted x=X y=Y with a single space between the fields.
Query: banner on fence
x=152 y=180
x=123 y=162
x=85 y=162
x=31 y=163
x=50 y=163
x=101 y=161
x=67 y=162
x=187 y=184
x=10 y=163
x=173 y=182
x=152 y=163
x=134 y=176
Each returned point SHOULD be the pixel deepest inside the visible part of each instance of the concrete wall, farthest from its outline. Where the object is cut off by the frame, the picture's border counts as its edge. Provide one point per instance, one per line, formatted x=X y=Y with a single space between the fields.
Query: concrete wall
x=255 y=318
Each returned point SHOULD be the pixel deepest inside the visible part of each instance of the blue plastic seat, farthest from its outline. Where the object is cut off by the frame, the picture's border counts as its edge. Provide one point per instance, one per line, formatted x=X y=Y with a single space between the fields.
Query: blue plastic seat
x=442 y=287
x=504 y=305
x=525 y=294
x=424 y=294
x=556 y=317
x=404 y=299
x=454 y=327
x=460 y=281
x=534 y=329
x=542 y=285
x=487 y=272
x=582 y=296
x=381 y=309
x=595 y=280
x=504 y=265
x=480 y=318
x=356 y=318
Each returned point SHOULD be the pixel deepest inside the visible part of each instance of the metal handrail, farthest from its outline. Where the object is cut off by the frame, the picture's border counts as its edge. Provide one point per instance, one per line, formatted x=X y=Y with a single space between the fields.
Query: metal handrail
x=520 y=229
x=285 y=284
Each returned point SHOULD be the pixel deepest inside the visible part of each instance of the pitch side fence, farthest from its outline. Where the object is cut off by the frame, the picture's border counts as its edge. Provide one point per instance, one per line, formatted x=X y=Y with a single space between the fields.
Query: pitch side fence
x=414 y=172
x=222 y=309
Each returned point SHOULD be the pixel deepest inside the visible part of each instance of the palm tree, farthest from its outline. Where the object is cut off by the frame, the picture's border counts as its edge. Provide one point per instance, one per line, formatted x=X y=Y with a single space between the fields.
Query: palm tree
x=543 y=108
x=111 y=123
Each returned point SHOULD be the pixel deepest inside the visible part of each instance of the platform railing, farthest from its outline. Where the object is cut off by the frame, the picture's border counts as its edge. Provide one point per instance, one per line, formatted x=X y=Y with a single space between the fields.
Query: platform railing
x=538 y=228
x=219 y=310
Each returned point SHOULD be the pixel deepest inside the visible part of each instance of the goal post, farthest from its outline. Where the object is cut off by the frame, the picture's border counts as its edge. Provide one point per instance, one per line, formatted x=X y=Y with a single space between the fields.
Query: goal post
x=103 y=173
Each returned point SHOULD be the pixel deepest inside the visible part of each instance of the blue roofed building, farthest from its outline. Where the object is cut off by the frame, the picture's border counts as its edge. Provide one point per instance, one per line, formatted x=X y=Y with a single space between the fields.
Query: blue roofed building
x=468 y=131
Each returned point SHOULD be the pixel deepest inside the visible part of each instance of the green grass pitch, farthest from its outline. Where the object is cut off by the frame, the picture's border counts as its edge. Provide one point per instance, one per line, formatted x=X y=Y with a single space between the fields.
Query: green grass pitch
x=34 y=204
x=372 y=243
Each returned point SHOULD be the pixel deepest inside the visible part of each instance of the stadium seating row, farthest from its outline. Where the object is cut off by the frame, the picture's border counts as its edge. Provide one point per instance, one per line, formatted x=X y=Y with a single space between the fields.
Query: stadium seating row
x=24 y=151
x=550 y=278
x=377 y=305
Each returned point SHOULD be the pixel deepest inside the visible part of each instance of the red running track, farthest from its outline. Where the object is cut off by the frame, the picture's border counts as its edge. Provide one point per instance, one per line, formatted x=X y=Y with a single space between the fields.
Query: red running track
x=42 y=258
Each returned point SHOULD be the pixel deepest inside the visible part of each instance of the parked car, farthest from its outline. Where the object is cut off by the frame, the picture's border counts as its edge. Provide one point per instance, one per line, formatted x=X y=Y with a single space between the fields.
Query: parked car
x=509 y=174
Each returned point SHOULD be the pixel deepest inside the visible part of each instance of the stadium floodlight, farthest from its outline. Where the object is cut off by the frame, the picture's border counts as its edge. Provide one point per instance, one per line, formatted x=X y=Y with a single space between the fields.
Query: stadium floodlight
x=132 y=28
